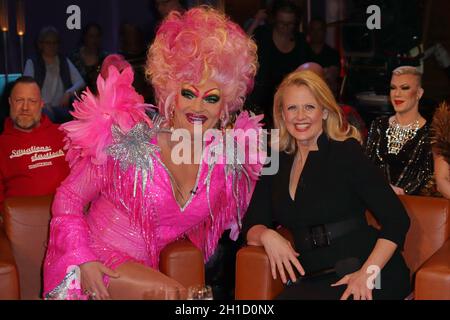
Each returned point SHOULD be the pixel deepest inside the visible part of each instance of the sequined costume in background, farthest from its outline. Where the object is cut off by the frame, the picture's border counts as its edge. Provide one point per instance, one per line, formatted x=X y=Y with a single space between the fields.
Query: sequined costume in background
x=440 y=142
x=407 y=161
x=441 y=132
x=116 y=167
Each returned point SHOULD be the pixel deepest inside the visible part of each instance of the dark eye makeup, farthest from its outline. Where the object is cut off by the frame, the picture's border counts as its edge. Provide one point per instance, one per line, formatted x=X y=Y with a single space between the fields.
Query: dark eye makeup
x=188 y=94
x=213 y=98
x=401 y=87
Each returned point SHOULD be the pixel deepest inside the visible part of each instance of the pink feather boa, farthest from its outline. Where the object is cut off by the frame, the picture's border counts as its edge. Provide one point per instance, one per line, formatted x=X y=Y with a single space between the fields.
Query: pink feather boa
x=117 y=103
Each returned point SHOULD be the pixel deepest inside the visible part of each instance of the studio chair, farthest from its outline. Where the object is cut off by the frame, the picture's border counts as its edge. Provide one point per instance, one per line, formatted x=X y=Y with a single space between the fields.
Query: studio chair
x=426 y=251
x=23 y=241
x=9 y=278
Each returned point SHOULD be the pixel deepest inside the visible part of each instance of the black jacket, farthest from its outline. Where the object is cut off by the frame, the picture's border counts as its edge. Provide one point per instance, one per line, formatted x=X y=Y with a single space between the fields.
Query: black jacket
x=338 y=182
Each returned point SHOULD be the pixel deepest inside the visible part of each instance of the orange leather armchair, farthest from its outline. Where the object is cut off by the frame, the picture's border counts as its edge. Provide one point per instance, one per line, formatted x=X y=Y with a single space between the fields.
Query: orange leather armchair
x=23 y=240
x=426 y=251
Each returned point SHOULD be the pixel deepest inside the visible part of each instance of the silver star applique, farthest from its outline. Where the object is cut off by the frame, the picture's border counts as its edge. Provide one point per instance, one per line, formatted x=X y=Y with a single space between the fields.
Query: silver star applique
x=134 y=149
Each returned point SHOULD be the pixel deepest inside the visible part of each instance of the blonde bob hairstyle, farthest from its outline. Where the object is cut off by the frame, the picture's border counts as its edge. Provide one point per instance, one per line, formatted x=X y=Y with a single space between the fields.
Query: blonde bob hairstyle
x=335 y=125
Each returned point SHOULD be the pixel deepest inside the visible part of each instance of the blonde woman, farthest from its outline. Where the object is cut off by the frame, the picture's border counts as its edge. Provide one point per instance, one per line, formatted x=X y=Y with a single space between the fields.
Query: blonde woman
x=399 y=145
x=321 y=192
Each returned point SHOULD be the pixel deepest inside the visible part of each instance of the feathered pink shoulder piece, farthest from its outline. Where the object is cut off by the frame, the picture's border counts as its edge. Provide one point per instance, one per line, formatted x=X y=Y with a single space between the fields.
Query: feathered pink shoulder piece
x=117 y=103
x=255 y=155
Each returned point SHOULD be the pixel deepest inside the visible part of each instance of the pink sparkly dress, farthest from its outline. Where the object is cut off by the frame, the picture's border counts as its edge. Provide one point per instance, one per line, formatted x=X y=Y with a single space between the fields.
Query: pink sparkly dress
x=118 y=204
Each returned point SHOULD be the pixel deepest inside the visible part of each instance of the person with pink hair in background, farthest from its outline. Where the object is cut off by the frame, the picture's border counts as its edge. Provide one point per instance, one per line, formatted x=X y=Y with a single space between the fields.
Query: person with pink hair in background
x=130 y=191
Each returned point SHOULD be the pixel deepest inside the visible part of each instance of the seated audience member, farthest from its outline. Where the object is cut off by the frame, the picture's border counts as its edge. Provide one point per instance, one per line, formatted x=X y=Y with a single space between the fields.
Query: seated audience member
x=57 y=77
x=134 y=50
x=281 y=49
x=262 y=15
x=400 y=145
x=160 y=9
x=258 y=20
x=441 y=149
x=351 y=115
x=88 y=58
x=323 y=54
x=4 y=105
x=31 y=147
x=164 y=7
x=321 y=193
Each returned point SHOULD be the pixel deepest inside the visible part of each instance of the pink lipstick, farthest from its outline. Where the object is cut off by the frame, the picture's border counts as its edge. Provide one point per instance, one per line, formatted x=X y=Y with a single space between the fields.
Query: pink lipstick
x=196 y=118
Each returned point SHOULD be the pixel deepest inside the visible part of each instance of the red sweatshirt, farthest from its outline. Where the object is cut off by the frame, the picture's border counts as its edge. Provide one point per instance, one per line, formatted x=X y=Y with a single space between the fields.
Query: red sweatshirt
x=31 y=163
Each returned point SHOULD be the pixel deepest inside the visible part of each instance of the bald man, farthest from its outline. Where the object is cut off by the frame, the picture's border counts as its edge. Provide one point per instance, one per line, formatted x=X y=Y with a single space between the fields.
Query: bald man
x=32 y=159
x=314 y=67
x=351 y=115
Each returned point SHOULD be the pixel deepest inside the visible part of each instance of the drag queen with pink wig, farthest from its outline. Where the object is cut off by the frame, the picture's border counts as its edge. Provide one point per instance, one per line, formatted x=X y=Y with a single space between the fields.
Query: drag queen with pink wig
x=128 y=195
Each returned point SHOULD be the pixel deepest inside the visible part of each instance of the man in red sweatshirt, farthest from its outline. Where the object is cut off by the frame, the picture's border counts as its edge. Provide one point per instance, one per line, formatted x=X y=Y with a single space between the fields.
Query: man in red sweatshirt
x=32 y=160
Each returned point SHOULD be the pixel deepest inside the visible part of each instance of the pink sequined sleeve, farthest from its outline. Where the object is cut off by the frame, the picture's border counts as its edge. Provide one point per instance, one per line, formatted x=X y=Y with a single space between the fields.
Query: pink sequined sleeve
x=239 y=205
x=229 y=208
x=239 y=180
x=69 y=235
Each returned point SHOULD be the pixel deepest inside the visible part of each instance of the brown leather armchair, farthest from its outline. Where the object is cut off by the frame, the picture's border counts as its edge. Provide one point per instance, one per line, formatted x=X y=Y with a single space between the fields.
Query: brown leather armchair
x=426 y=251
x=23 y=240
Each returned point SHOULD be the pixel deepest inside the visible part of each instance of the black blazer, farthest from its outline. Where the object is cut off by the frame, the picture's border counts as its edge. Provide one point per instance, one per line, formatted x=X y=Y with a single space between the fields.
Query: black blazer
x=338 y=182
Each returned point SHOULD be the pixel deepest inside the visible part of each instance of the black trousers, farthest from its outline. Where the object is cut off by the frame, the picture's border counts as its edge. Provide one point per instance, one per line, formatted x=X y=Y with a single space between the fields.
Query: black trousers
x=320 y=288
x=220 y=269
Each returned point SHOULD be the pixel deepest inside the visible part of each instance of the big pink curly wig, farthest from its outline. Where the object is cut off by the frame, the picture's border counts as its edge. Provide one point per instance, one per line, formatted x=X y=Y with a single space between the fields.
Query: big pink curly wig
x=201 y=44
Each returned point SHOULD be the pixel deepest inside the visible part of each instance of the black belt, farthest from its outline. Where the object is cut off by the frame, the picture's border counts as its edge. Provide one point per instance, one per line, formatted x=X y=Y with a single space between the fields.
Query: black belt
x=322 y=235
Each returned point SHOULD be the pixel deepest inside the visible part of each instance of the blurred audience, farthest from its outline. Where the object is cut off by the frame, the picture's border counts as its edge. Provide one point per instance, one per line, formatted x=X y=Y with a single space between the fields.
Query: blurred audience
x=258 y=20
x=56 y=75
x=262 y=15
x=323 y=54
x=4 y=105
x=314 y=67
x=160 y=10
x=281 y=49
x=441 y=149
x=164 y=7
x=134 y=49
x=89 y=57
x=351 y=115
x=32 y=160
